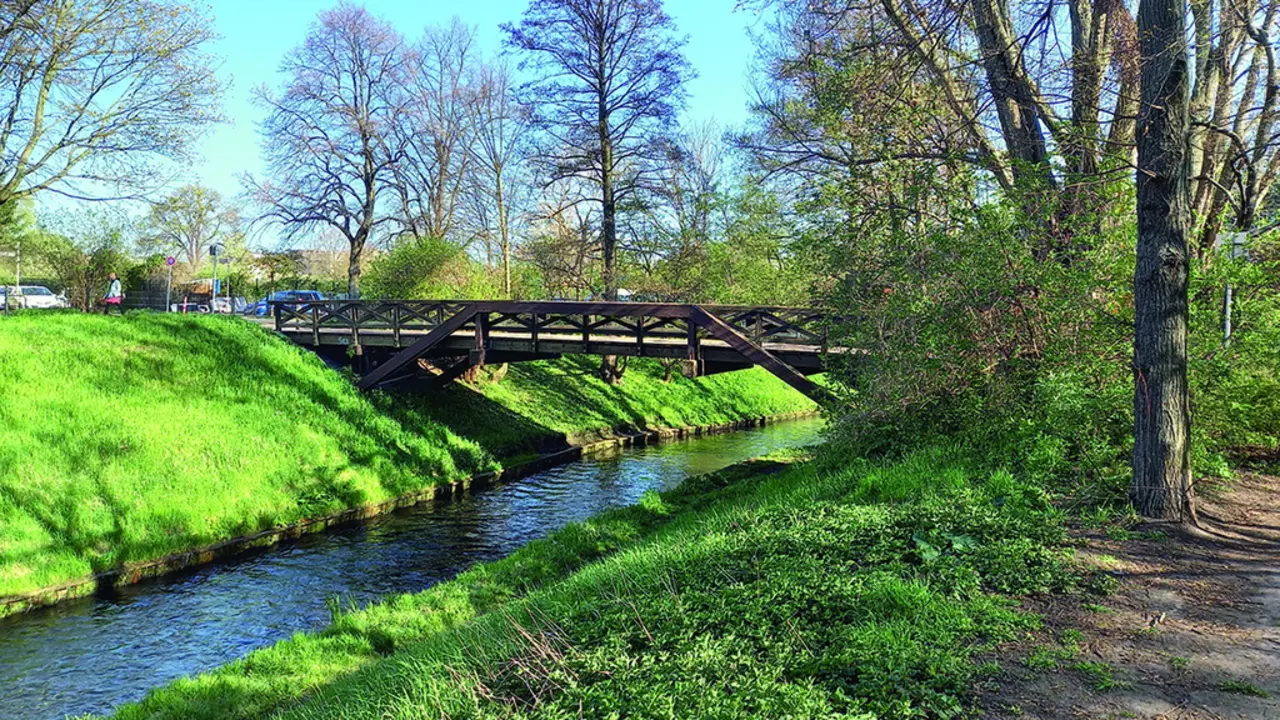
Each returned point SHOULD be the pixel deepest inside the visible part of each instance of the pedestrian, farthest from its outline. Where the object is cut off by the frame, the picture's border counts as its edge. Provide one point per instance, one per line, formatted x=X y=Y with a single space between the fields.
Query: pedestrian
x=114 y=297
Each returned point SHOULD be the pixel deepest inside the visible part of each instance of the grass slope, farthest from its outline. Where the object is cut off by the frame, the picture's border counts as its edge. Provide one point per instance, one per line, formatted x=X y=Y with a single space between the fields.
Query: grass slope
x=539 y=403
x=129 y=438
x=839 y=588
x=125 y=439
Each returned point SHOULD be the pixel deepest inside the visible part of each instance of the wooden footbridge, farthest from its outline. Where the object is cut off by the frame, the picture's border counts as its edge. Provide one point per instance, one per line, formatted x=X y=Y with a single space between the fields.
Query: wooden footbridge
x=403 y=341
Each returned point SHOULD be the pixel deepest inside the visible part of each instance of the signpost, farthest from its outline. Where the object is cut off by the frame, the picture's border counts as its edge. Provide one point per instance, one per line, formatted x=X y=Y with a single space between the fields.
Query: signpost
x=1235 y=244
x=168 y=289
x=214 y=251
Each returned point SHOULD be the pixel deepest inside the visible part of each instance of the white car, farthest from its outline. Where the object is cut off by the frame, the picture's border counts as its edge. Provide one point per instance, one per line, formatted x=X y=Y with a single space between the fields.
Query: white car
x=39 y=296
x=34 y=296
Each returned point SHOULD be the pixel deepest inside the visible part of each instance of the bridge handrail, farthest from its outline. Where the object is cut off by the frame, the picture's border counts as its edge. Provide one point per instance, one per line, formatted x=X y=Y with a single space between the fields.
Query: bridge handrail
x=760 y=323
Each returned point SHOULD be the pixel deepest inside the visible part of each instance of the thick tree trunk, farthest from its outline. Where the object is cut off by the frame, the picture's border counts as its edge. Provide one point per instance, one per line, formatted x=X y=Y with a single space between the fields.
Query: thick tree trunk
x=353 y=267
x=1161 y=486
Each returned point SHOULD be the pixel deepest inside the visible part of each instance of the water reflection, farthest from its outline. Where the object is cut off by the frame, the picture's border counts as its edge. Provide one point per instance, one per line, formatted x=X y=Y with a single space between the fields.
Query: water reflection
x=94 y=654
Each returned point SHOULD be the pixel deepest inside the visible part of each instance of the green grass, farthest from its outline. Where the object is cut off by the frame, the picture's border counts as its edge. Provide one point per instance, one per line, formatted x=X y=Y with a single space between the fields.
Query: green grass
x=129 y=438
x=1101 y=676
x=1243 y=688
x=126 y=439
x=835 y=588
x=538 y=404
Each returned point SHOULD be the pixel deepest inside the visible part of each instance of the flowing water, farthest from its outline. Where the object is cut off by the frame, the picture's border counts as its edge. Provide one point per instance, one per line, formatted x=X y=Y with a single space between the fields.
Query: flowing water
x=93 y=654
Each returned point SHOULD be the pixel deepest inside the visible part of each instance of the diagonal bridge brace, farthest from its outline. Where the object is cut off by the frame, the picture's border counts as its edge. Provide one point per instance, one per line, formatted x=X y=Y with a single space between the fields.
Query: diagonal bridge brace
x=386 y=371
x=721 y=330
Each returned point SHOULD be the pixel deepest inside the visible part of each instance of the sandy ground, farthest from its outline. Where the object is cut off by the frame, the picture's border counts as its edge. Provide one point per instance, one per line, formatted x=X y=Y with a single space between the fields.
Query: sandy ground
x=1192 y=630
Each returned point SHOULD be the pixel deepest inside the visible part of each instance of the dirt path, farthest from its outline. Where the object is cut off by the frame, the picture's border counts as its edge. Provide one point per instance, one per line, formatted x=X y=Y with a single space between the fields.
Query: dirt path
x=1192 y=631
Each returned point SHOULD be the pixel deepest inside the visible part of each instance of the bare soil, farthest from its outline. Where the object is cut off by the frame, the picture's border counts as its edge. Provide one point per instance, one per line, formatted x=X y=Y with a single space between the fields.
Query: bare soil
x=1192 y=630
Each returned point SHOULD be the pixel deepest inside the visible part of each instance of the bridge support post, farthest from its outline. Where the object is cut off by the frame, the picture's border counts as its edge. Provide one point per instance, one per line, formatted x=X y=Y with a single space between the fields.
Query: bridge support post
x=694 y=348
x=482 y=339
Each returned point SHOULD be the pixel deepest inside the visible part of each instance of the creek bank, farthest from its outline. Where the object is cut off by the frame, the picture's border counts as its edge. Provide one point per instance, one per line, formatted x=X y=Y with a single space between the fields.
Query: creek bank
x=836 y=587
x=98 y=477
x=573 y=448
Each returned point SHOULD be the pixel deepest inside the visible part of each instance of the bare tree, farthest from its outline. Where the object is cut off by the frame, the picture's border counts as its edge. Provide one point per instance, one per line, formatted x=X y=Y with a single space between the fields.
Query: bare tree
x=501 y=145
x=434 y=131
x=1048 y=122
x=328 y=136
x=691 y=207
x=610 y=81
x=99 y=92
x=187 y=222
x=17 y=15
x=1234 y=108
x=565 y=245
x=1161 y=486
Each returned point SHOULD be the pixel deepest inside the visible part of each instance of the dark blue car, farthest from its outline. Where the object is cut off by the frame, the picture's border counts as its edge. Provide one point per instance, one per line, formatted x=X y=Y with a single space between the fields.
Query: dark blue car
x=295 y=300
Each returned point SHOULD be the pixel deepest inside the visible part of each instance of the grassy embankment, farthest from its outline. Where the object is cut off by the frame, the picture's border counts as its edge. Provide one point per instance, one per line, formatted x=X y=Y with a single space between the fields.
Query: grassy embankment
x=126 y=439
x=833 y=588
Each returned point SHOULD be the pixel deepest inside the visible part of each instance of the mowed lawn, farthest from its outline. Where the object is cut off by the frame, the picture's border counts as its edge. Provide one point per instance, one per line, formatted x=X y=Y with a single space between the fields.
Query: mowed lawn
x=126 y=439
x=129 y=438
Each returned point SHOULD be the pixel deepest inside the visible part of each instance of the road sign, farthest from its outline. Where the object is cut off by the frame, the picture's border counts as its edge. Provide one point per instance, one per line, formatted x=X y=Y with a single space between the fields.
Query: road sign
x=8 y=253
x=171 y=261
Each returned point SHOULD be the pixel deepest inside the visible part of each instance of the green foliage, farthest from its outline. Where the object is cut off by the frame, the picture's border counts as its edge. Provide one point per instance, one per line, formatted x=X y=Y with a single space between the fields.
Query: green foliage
x=1101 y=675
x=834 y=588
x=77 y=251
x=1243 y=688
x=983 y=330
x=424 y=268
x=1236 y=387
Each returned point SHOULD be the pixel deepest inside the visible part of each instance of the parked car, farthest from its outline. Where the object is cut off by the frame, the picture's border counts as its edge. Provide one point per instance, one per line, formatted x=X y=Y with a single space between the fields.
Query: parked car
x=31 y=296
x=292 y=299
x=189 y=307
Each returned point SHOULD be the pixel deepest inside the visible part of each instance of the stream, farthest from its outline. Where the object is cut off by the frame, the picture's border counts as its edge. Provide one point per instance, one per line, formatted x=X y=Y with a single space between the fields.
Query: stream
x=93 y=654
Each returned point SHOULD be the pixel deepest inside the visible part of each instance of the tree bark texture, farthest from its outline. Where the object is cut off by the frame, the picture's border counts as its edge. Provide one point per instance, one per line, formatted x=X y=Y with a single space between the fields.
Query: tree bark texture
x=1161 y=486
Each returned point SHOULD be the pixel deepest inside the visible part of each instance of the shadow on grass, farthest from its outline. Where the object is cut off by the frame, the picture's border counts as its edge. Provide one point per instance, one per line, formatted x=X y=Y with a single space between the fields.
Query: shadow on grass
x=502 y=432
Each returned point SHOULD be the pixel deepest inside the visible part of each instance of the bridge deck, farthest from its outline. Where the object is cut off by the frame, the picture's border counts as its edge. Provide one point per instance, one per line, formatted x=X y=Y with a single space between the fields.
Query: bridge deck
x=790 y=342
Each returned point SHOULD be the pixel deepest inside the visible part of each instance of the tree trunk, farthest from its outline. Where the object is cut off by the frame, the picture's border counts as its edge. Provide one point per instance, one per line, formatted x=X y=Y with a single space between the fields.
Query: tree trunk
x=609 y=368
x=1161 y=486
x=353 y=267
x=504 y=235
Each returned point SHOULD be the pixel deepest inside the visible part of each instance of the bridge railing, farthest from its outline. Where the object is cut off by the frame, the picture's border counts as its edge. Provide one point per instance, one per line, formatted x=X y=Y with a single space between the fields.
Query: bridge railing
x=549 y=319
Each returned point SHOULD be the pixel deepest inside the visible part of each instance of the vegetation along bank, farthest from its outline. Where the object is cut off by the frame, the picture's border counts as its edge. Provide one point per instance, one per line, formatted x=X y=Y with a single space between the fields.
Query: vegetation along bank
x=128 y=439
x=837 y=587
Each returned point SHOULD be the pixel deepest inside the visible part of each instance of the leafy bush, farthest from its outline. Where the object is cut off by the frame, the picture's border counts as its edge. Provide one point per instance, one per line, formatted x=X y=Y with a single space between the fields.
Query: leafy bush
x=974 y=332
x=427 y=268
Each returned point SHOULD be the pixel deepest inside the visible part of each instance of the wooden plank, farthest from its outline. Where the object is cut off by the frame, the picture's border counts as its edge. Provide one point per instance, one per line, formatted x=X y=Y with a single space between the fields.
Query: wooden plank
x=416 y=350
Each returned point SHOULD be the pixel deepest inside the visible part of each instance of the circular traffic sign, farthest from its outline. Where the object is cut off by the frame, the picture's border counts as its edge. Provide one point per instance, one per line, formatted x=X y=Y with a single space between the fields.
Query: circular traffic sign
x=171 y=261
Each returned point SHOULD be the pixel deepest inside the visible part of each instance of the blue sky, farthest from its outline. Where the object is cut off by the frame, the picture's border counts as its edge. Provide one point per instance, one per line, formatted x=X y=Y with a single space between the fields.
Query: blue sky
x=257 y=33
